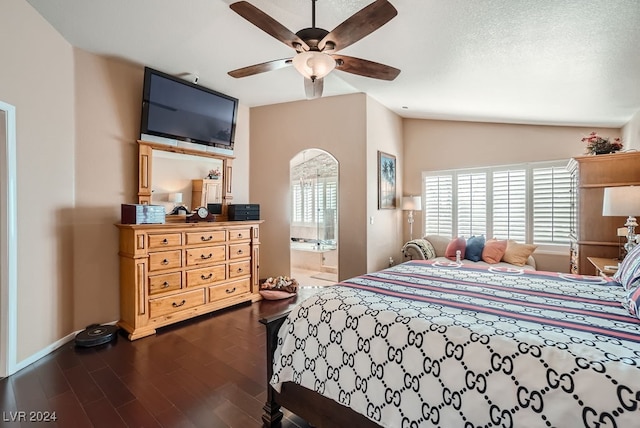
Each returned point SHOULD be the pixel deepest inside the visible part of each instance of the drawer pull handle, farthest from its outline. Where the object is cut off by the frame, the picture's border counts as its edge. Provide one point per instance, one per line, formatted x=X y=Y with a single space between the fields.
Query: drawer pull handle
x=239 y=252
x=239 y=235
x=206 y=239
x=239 y=270
x=177 y=305
x=165 y=262
x=165 y=241
x=165 y=284
x=207 y=277
x=233 y=290
x=203 y=257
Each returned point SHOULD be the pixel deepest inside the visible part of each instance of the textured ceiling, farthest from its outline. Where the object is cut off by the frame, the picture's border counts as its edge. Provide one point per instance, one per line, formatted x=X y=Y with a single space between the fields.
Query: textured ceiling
x=572 y=62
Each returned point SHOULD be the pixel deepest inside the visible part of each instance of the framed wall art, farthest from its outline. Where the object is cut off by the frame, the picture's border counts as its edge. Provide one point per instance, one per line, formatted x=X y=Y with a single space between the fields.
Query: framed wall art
x=386 y=181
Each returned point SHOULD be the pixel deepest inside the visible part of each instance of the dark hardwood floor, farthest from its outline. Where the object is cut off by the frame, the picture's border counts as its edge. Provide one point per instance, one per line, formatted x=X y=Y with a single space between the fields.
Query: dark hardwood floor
x=207 y=372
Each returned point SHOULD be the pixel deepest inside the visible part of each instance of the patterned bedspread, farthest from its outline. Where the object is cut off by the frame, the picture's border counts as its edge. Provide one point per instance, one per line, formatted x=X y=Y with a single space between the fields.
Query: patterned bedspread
x=431 y=344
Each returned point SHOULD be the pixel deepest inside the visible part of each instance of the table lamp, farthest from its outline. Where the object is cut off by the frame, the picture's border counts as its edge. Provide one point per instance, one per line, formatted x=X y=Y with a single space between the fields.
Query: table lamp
x=411 y=204
x=623 y=201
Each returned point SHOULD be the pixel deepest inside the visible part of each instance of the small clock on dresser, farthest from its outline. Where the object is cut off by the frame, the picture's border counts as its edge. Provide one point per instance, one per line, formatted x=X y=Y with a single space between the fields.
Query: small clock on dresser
x=200 y=214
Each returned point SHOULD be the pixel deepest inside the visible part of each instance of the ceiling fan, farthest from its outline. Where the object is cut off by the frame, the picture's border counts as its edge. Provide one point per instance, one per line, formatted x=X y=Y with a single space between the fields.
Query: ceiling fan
x=316 y=47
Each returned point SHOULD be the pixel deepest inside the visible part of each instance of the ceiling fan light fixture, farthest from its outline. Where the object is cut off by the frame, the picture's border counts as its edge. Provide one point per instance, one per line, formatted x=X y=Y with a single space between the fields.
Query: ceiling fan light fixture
x=313 y=64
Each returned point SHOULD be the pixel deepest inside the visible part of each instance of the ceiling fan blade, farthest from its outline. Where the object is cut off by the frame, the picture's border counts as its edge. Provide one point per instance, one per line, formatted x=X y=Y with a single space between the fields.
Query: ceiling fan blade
x=359 y=25
x=313 y=88
x=260 y=68
x=268 y=25
x=365 y=68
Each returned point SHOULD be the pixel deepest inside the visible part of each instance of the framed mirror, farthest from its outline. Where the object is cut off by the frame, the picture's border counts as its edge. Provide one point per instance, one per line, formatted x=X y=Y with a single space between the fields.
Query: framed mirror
x=174 y=176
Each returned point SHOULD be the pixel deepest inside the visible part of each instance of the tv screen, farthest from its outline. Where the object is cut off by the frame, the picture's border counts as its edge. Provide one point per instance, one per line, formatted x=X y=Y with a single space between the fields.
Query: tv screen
x=175 y=108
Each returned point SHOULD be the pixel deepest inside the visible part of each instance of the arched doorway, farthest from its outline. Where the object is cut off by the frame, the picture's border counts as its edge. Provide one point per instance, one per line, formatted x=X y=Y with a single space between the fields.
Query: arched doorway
x=314 y=217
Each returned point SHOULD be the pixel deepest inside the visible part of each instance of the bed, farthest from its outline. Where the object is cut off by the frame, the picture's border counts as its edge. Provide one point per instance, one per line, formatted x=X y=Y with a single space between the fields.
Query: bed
x=431 y=343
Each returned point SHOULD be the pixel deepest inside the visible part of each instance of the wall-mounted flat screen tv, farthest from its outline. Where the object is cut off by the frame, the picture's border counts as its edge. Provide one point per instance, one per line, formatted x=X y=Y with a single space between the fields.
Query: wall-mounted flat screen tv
x=177 y=109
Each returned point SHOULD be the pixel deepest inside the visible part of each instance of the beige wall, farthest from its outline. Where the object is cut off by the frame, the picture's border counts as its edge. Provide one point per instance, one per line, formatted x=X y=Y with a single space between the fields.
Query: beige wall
x=631 y=133
x=78 y=117
x=279 y=132
x=108 y=99
x=384 y=236
x=431 y=145
x=37 y=77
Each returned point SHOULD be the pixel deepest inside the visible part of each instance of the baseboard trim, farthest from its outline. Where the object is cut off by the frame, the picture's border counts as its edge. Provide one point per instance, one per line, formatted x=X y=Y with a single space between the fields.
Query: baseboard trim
x=47 y=350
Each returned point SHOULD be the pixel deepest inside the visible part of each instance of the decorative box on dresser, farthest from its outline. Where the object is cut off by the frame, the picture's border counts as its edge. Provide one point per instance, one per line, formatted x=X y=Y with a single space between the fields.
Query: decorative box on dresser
x=175 y=271
x=592 y=234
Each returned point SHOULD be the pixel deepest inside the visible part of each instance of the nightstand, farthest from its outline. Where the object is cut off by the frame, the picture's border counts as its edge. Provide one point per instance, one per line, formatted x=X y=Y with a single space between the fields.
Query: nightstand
x=602 y=265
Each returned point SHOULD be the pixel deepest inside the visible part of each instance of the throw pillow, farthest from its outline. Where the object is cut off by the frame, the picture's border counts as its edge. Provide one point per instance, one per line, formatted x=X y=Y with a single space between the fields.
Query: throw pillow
x=456 y=244
x=423 y=246
x=439 y=243
x=494 y=250
x=628 y=274
x=631 y=302
x=475 y=245
x=518 y=254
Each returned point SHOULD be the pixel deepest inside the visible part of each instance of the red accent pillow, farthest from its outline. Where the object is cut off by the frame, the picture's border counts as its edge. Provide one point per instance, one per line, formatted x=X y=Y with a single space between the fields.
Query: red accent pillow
x=493 y=250
x=454 y=245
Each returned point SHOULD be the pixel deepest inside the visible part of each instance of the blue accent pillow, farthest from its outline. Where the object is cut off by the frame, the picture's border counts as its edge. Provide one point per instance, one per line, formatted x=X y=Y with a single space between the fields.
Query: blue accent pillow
x=475 y=245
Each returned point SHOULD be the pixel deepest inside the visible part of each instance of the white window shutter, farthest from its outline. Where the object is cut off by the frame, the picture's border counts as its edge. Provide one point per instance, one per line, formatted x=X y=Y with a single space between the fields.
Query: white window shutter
x=472 y=204
x=551 y=205
x=510 y=204
x=438 y=215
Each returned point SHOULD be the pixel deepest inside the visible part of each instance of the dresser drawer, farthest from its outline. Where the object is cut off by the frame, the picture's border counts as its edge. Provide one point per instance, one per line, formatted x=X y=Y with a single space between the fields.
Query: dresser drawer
x=202 y=255
x=166 y=282
x=239 y=234
x=224 y=291
x=239 y=251
x=205 y=237
x=208 y=275
x=165 y=260
x=164 y=240
x=175 y=303
x=237 y=269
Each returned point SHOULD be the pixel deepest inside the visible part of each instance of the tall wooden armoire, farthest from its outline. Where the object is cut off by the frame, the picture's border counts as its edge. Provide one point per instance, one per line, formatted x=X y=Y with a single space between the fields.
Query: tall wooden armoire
x=592 y=234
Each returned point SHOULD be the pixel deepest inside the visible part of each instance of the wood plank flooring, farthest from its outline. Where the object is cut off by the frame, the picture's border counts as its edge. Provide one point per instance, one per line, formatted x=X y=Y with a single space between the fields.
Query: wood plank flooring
x=207 y=372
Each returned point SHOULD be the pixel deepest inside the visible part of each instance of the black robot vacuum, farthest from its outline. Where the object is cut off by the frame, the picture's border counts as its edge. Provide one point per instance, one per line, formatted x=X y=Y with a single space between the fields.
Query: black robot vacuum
x=96 y=334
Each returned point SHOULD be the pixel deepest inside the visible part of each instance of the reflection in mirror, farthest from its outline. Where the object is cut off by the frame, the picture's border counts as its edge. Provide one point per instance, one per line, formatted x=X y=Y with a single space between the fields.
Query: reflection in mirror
x=172 y=177
x=314 y=217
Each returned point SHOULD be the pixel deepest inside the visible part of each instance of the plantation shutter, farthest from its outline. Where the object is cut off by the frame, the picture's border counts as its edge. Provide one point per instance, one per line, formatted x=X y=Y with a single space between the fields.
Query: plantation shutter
x=320 y=201
x=307 y=204
x=510 y=204
x=438 y=214
x=472 y=204
x=551 y=205
x=297 y=203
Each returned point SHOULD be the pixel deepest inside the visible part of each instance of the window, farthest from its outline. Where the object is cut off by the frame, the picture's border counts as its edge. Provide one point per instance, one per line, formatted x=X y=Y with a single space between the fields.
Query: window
x=313 y=199
x=527 y=202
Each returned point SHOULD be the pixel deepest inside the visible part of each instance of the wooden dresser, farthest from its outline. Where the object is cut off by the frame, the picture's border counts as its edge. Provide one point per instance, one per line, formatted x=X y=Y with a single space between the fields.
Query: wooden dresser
x=175 y=271
x=592 y=234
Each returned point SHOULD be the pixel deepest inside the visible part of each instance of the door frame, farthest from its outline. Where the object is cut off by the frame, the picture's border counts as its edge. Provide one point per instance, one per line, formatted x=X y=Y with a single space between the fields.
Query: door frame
x=8 y=244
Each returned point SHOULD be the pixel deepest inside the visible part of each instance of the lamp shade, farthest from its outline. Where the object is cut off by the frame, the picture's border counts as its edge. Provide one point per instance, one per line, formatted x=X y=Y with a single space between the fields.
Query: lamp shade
x=621 y=201
x=412 y=203
x=314 y=65
x=175 y=198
